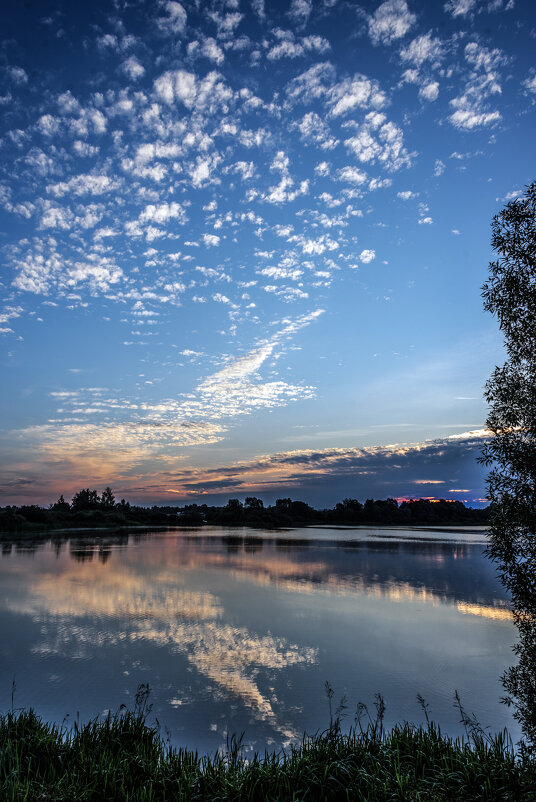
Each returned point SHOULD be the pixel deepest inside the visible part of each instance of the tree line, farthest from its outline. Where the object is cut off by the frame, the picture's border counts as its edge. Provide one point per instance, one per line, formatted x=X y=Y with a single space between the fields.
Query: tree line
x=89 y=509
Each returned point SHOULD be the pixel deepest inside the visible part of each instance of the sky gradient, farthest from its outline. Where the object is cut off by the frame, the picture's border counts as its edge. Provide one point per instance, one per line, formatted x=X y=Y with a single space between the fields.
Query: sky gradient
x=243 y=244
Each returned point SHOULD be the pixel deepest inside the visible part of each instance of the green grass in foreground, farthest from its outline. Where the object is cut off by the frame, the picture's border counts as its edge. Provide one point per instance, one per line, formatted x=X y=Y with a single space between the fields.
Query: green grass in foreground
x=123 y=758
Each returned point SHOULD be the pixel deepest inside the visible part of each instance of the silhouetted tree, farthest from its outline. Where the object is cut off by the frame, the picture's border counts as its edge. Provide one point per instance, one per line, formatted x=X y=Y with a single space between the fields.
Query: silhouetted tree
x=510 y=294
x=253 y=503
x=108 y=498
x=85 y=500
x=61 y=505
x=283 y=504
x=234 y=505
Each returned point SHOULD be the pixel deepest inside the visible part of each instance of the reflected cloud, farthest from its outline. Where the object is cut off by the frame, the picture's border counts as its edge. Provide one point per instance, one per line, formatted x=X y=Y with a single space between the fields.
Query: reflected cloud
x=495 y=613
x=135 y=602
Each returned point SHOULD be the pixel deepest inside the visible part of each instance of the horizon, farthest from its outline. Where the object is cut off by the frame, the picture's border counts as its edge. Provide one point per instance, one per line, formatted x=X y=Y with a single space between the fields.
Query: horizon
x=244 y=245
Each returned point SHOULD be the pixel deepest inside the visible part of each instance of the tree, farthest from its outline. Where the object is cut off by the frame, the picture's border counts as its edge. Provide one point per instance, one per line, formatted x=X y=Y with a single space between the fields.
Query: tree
x=108 y=498
x=85 y=500
x=510 y=453
x=253 y=503
x=61 y=505
x=510 y=294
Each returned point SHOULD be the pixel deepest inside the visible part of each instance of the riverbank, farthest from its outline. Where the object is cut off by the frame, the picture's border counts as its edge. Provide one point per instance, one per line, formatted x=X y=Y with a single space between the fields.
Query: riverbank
x=124 y=758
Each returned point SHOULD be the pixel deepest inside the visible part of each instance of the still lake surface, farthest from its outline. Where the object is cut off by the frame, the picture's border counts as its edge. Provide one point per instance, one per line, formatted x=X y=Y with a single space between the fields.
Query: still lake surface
x=238 y=629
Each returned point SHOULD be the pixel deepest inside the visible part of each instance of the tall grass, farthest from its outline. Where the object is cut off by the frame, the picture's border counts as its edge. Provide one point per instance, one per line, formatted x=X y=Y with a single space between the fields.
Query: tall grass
x=123 y=757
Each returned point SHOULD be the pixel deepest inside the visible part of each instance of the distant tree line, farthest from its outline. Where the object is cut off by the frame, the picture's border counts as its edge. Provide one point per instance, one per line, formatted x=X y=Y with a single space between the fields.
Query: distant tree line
x=286 y=512
x=88 y=509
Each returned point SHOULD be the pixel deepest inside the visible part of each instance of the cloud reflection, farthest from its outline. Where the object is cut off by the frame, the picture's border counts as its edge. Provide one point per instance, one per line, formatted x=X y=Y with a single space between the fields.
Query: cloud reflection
x=91 y=605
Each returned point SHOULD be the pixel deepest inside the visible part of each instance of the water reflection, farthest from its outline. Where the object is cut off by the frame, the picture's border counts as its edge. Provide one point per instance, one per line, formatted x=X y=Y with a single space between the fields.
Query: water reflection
x=247 y=627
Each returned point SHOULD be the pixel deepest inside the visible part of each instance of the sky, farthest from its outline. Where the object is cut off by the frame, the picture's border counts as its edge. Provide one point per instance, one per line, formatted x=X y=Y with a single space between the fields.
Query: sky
x=243 y=244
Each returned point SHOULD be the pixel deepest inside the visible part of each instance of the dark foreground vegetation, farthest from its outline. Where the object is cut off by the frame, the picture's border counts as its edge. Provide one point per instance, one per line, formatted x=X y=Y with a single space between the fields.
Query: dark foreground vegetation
x=124 y=758
x=89 y=510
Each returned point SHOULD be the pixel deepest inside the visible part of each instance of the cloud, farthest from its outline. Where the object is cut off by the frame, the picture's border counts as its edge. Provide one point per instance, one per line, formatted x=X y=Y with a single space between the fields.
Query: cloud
x=211 y=240
x=367 y=256
x=460 y=8
x=312 y=84
x=314 y=129
x=324 y=476
x=391 y=21
x=429 y=91
x=379 y=141
x=300 y=11
x=207 y=94
x=151 y=435
x=357 y=92
x=467 y=8
x=18 y=75
x=258 y=7
x=423 y=48
x=351 y=175
x=132 y=67
x=530 y=83
x=174 y=21
x=84 y=184
x=470 y=109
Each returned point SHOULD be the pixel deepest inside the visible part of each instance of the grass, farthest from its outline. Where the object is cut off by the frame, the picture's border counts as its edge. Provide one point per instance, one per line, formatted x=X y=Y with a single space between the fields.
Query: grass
x=122 y=757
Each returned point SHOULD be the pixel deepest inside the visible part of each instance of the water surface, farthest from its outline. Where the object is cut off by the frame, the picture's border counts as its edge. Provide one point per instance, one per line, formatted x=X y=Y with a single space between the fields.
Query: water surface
x=238 y=629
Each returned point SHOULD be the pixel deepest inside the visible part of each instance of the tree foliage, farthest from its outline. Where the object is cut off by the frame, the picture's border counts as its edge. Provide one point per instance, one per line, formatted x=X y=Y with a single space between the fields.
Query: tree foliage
x=510 y=294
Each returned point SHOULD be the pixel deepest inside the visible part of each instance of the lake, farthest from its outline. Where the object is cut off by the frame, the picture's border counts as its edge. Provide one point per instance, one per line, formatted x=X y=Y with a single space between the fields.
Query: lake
x=238 y=630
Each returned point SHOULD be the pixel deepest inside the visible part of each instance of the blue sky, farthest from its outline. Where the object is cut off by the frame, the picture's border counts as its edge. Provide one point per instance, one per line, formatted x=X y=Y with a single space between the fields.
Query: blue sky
x=243 y=244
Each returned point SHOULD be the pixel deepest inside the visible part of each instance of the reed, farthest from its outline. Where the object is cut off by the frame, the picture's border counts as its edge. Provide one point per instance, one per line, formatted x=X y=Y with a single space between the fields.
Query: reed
x=123 y=757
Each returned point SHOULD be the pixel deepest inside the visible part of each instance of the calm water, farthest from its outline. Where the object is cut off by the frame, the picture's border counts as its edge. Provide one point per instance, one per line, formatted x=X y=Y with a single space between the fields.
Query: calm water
x=238 y=630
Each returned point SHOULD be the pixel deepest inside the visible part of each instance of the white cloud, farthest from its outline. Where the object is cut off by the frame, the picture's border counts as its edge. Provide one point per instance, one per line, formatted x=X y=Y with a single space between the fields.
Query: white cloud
x=258 y=8
x=356 y=92
x=423 y=48
x=211 y=240
x=84 y=184
x=380 y=141
x=391 y=21
x=470 y=110
x=429 y=91
x=48 y=124
x=208 y=94
x=323 y=169
x=227 y=23
x=460 y=8
x=202 y=172
x=407 y=194
x=285 y=49
x=367 y=256
x=162 y=213
x=313 y=83
x=316 y=43
x=300 y=10
x=56 y=217
x=245 y=169
x=314 y=129
x=530 y=83
x=17 y=75
x=175 y=20
x=208 y=48
x=132 y=67
x=466 y=8
x=352 y=175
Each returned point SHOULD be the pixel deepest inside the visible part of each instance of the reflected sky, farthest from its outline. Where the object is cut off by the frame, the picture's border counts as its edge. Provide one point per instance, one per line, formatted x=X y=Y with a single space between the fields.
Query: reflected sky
x=237 y=630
